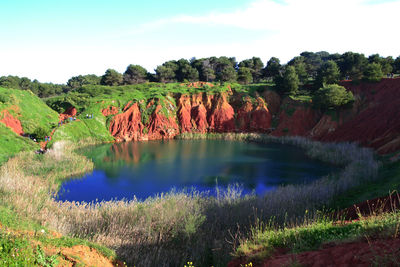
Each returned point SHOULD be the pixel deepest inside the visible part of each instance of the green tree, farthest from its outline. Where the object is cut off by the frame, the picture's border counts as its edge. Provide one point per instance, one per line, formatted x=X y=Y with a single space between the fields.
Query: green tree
x=300 y=67
x=396 y=65
x=134 y=74
x=332 y=96
x=373 y=72
x=111 y=78
x=352 y=65
x=329 y=73
x=81 y=80
x=185 y=71
x=290 y=80
x=245 y=75
x=228 y=74
x=272 y=69
x=255 y=65
x=167 y=71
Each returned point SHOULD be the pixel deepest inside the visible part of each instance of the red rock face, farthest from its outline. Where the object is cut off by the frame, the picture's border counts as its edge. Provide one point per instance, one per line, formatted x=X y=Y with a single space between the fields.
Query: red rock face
x=221 y=118
x=110 y=111
x=260 y=120
x=11 y=122
x=71 y=111
x=243 y=115
x=128 y=125
x=184 y=113
x=296 y=121
x=378 y=124
x=161 y=127
x=199 y=113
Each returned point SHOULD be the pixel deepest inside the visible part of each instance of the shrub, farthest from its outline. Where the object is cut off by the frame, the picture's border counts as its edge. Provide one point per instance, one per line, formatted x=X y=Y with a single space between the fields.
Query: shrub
x=332 y=96
x=40 y=133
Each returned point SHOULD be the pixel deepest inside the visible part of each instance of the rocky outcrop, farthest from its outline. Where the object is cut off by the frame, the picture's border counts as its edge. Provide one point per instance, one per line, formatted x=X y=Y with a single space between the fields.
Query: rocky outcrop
x=296 y=120
x=111 y=110
x=128 y=125
x=221 y=115
x=377 y=124
x=71 y=111
x=184 y=113
x=11 y=122
x=373 y=120
x=162 y=126
x=253 y=118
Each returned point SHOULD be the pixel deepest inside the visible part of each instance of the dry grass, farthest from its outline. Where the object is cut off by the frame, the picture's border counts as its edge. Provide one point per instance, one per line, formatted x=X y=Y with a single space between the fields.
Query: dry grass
x=174 y=228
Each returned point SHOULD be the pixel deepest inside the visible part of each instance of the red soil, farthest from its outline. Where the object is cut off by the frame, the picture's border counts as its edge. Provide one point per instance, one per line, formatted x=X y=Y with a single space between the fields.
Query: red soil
x=111 y=110
x=348 y=254
x=378 y=124
x=184 y=113
x=161 y=127
x=299 y=123
x=369 y=207
x=128 y=125
x=11 y=122
x=198 y=84
x=221 y=118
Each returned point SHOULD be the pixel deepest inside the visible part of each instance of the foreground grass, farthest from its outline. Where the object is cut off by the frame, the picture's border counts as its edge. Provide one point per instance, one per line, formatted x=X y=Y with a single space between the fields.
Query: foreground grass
x=314 y=232
x=11 y=144
x=177 y=227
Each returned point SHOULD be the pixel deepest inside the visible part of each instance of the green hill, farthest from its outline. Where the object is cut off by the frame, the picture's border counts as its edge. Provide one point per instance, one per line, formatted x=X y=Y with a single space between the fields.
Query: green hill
x=31 y=111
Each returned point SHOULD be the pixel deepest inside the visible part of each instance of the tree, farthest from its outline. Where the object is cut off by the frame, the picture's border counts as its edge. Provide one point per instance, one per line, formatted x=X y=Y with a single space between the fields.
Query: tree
x=135 y=74
x=332 y=96
x=300 y=67
x=225 y=69
x=255 y=65
x=185 y=71
x=329 y=73
x=272 y=69
x=386 y=63
x=245 y=75
x=373 y=72
x=79 y=81
x=396 y=65
x=111 y=78
x=167 y=71
x=352 y=65
x=228 y=74
x=205 y=69
x=289 y=82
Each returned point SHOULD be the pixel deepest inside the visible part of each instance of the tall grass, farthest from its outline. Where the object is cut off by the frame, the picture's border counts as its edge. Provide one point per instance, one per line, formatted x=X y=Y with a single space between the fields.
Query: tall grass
x=174 y=228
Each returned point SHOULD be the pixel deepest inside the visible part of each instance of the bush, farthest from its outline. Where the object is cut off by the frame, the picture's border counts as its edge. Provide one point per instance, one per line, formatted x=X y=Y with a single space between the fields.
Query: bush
x=40 y=133
x=332 y=96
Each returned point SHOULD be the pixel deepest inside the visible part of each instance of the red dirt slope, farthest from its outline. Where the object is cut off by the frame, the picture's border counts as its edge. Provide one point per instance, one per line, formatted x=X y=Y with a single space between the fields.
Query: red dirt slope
x=11 y=122
x=378 y=125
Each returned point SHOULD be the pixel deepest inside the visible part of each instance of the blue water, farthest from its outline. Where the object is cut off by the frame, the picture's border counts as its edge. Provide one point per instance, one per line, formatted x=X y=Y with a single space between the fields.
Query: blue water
x=145 y=169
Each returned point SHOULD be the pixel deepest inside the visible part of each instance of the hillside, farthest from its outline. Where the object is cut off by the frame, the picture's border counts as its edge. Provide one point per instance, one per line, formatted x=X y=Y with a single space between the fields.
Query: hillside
x=154 y=111
x=21 y=113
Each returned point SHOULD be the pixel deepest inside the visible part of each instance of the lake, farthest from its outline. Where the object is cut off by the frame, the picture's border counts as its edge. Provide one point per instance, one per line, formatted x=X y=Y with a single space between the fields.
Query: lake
x=145 y=169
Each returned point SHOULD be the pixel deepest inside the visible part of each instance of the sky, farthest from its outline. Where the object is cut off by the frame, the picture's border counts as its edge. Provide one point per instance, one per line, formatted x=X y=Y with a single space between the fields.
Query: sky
x=53 y=41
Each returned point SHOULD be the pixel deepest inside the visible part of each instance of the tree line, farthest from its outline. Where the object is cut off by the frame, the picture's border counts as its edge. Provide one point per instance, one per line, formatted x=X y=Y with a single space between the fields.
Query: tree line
x=309 y=69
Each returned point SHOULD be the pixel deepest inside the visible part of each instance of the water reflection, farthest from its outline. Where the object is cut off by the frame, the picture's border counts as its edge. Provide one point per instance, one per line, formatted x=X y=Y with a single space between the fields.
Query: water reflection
x=148 y=168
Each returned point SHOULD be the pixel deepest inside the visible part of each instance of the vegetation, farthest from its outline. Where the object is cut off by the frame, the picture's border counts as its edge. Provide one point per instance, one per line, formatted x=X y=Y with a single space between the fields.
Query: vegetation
x=313 y=232
x=332 y=96
x=316 y=68
x=176 y=227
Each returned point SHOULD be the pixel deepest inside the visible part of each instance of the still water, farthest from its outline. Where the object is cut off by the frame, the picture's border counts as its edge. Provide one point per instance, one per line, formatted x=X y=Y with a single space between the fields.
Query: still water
x=145 y=169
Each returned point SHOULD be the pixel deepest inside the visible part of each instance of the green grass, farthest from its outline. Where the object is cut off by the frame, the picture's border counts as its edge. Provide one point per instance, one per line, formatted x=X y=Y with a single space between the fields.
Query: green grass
x=313 y=233
x=29 y=109
x=11 y=143
x=387 y=182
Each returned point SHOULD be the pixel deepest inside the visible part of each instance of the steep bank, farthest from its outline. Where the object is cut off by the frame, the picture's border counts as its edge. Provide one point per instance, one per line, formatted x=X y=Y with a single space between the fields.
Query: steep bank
x=372 y=121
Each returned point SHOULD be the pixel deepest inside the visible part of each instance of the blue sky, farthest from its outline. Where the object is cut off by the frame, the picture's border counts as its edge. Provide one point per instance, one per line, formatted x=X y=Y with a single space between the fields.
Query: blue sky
x=55 y=40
